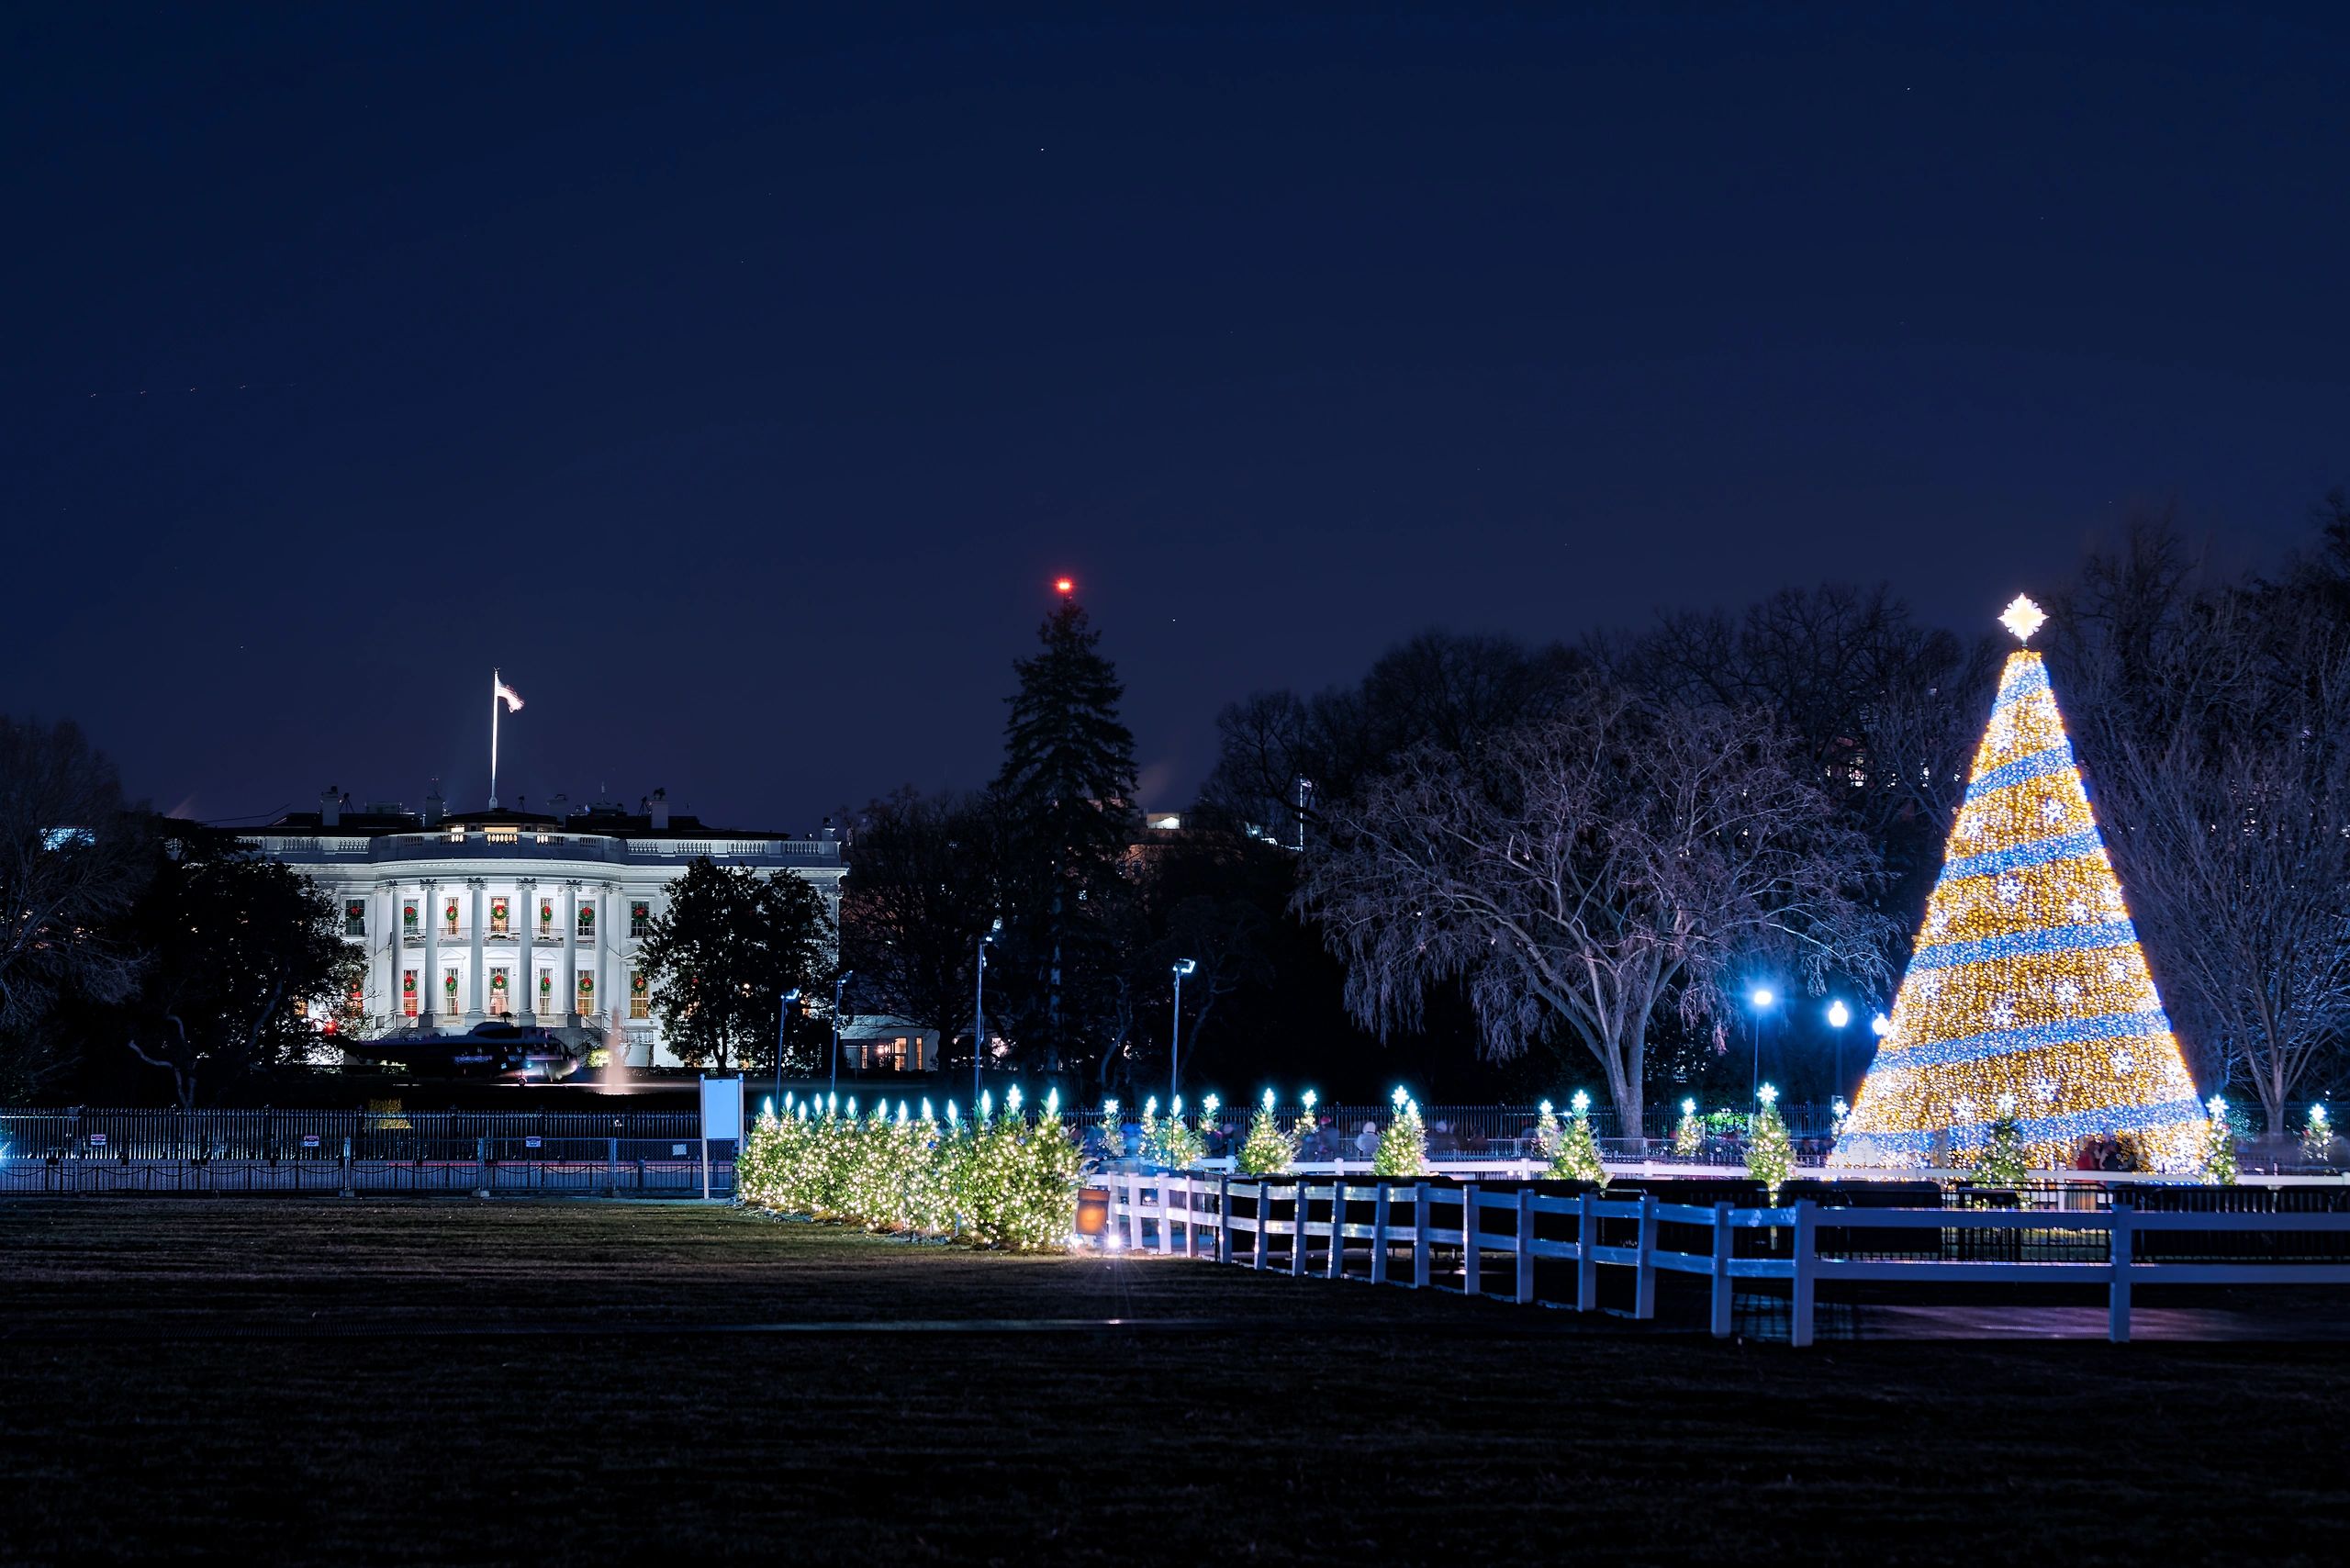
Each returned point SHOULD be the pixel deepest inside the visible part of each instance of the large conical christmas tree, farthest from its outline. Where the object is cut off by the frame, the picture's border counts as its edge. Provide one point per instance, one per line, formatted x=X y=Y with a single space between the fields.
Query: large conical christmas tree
x=2028 y=995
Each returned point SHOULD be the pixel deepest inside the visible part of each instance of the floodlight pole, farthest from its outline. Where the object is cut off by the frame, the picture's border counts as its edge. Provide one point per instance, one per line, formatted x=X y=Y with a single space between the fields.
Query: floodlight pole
x=783 y=1036
x=839 y=985
x=1175 y=1035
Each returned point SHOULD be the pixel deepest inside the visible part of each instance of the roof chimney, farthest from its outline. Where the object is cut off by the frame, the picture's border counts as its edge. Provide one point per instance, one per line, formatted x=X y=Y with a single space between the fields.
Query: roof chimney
x=433 y=805
x=660 y=811
x=330 y=807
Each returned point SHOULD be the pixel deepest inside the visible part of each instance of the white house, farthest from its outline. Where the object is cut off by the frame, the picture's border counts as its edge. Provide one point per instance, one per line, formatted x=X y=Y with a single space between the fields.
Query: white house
x=533 y=916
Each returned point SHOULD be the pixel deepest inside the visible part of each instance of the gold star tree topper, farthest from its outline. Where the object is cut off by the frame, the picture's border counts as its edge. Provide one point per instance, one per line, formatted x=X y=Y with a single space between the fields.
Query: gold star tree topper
x=2023 y=618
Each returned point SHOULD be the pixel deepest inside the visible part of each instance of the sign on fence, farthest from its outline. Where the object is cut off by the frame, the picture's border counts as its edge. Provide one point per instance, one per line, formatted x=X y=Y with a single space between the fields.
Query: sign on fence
x=531 y=1141
x=97 y=1140
x=309 y=1140
x=721 y=1117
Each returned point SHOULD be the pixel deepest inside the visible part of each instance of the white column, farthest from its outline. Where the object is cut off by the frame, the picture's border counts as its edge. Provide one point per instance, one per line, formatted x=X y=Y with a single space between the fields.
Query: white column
x=607 y=993
x=530 y=914
x=428 y=909
x=568 y=983
x=477 y=999
x=394 y=957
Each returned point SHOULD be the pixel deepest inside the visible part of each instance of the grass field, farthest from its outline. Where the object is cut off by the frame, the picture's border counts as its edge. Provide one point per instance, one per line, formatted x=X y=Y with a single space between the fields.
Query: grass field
x=437 y=1382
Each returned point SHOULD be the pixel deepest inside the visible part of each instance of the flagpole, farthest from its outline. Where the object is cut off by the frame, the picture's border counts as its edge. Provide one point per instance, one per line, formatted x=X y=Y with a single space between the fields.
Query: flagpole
x=493 y=739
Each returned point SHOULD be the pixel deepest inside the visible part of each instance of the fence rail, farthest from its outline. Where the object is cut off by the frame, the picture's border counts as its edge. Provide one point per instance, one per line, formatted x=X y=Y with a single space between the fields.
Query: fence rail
x=611 y=1174
x=81 y=1132
x=1272 y=1224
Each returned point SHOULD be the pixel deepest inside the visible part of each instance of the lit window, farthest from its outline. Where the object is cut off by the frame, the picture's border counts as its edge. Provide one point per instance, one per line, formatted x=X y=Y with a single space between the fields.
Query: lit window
x=407 y=993
x=640 y=1005
x=354 y=917
x=640 y=918
x=587 y=922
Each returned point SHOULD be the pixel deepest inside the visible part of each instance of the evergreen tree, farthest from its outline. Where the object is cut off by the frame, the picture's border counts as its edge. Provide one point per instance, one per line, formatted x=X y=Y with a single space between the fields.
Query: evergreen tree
x=1066 y=792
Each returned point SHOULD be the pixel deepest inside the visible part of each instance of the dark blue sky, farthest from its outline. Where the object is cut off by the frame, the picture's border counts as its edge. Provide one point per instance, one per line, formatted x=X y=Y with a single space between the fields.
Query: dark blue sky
x=737 y=383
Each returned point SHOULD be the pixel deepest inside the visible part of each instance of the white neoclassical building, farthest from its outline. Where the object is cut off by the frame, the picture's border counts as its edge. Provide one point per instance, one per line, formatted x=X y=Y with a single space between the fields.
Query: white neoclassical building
x=530 y=916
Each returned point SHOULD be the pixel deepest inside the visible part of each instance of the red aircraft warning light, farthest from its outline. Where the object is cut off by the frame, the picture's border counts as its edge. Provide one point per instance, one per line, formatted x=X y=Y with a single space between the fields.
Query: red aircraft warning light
x=1064 y=585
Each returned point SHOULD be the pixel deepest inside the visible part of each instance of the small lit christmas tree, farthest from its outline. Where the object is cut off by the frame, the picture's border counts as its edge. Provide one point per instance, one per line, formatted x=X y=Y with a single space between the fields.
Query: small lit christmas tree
x=2027 y=979
x=1770 y=1155
x=1689 y=1133
x=1267 y=1149
x=1578 y=1156
x=2005 y=1160
x=1547 y=1131
x=1112 y=1134
x=2220 y=1145
x=2317 y=1136
x=1404 y=1146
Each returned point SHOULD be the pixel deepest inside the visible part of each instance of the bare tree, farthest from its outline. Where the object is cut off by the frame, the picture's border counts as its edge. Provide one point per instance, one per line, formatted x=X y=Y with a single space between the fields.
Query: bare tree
x=2215 y=723
x=1581 y=873
x=72 y=862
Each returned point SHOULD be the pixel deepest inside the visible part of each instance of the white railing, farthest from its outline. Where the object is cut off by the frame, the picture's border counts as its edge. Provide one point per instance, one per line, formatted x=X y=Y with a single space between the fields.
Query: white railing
x=1151 y=1209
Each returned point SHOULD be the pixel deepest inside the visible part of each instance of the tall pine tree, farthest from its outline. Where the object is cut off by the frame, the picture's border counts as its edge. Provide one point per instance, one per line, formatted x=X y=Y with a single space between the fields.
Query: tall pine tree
x=1067 y=793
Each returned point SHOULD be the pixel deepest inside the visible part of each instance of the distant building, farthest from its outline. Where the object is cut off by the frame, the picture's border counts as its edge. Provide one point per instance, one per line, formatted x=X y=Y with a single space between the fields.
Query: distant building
x=879 y=1043
x=531 y=916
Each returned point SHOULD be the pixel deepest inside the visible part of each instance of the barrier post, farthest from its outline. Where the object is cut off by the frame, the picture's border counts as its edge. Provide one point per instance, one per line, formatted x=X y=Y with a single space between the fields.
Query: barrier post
x=1586 y=1257
x=1722 y=1272
x=1644 y=1273
x=2118 y=1301
x=481 y=1166
x=611 y=1168
x=1133 y=1211
x=1264 y=1223
x=348 y=1191
x=1337 y=1259
x=1799 y=1328
x=1526 y=1246
x=1379 y=1235
x=1166 y=1218
x=1423 y=1209
x=1297 y=1233
x=1472 y=1254
x=1224 y=1219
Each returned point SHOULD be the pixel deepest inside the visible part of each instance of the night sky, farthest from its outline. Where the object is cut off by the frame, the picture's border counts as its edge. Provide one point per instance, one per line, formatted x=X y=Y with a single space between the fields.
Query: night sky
x=738 y=384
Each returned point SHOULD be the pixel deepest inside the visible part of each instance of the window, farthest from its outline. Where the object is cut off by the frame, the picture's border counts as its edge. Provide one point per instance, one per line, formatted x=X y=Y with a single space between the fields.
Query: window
x=887 y=1056
x=546 y=991
x=450 y=915
x=354 y=917
x=498 y=1003
x=408 y=917
x=640 y=1005
x=448 y=993
x=407 y=993
x=586 y=992
x=547 y=918
x=640 y=917
x=587 y=921
x=498 y=925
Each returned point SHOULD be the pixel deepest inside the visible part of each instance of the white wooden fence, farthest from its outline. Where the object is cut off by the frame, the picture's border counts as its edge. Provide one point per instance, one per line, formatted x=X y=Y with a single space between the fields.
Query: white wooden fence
x=1196 y=1217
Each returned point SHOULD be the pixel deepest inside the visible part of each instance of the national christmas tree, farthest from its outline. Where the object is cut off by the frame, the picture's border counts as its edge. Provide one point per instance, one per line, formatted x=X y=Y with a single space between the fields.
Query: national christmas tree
x=2028 y=986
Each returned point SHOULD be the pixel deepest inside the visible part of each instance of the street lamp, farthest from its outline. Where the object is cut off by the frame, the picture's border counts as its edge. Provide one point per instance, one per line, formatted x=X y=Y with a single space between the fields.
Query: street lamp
x=979 y=1007
x=1759 y=998
x=1175 y=1035
x=783 y=1035
x=839 y=985
x=1838 y=1016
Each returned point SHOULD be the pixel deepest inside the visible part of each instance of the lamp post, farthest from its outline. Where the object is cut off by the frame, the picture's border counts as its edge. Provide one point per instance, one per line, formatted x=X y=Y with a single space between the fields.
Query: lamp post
x=839 y=985
x=783 y=1035
x=1761 y=998
x=1838 y=1016
x=1175 y=1035
x=980 y=1007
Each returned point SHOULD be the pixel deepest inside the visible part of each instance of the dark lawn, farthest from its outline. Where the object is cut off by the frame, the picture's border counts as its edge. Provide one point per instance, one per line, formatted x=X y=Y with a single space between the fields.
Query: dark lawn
x=279 y=1381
